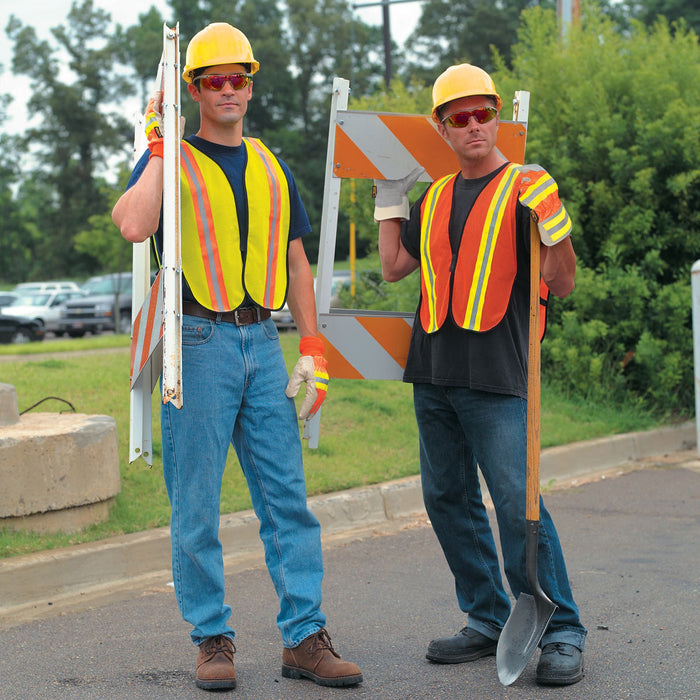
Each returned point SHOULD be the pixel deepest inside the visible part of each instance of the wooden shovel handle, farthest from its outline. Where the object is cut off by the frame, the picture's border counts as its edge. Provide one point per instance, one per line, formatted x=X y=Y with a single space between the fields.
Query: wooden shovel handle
x=532 y=507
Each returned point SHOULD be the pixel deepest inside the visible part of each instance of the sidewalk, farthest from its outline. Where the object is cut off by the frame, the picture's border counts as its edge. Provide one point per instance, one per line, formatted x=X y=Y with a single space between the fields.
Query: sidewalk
x=36 y=585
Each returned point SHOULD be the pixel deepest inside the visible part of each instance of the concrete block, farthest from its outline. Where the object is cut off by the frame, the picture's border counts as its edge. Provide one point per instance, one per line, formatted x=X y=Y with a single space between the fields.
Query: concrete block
x=54 y=464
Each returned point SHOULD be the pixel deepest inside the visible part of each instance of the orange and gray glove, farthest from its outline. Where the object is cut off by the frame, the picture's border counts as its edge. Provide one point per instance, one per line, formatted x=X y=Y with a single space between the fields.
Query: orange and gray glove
x=391 y=196
x=311 y=368
x=154 y=126
x=540 y=193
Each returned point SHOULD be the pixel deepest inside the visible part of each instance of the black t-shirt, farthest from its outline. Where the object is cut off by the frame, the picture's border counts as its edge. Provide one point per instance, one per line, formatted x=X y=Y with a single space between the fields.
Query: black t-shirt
x=495 y=360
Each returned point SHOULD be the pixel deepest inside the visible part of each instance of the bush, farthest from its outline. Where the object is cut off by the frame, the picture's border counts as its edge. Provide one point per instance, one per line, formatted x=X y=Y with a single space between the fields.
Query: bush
x=620 y=337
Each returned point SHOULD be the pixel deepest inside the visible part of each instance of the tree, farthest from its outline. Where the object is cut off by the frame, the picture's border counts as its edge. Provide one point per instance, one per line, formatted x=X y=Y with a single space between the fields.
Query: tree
x=614 y=118
x=13 y=233
x=458 y=32
x=140 y=46
x=648 y=11
x=77 y=133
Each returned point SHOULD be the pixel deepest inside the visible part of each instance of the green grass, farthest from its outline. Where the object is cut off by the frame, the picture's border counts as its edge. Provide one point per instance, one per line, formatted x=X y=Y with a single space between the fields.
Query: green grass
x=368 y=431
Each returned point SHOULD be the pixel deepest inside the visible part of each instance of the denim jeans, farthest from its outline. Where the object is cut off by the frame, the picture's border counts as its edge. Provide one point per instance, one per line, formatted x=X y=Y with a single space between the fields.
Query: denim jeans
x=461 y=431
x=233 y=382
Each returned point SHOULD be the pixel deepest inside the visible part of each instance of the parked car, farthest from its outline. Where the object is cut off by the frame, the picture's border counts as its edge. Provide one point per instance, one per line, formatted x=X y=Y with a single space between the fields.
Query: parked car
x=6 y=298
x=53 y=286
x=106 y=297
x=44 y=307
x=283 y=318
x=18 y=329
x=341 y=278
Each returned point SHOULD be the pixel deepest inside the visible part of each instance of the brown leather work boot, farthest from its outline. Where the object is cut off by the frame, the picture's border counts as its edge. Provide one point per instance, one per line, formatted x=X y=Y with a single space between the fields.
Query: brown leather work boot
x=215 y=664
x=315 y=658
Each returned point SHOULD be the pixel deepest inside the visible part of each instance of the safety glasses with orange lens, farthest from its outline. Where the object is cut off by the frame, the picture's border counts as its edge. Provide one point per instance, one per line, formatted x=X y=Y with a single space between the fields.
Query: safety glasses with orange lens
x=459 y=120
x=216 y=82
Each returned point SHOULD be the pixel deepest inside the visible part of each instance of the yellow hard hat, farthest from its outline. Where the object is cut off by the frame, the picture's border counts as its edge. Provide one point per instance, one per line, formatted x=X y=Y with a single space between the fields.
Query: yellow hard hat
x=463 y=80
x=216 y=44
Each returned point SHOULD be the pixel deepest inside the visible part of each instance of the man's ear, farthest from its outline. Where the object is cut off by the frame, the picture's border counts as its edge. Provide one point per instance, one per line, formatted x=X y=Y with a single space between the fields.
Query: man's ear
x=194 y=92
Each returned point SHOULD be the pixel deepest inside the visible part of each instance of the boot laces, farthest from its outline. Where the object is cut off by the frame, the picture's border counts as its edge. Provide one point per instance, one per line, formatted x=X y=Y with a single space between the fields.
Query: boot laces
x=217 y=644
x=559 y=648
x=322 y=640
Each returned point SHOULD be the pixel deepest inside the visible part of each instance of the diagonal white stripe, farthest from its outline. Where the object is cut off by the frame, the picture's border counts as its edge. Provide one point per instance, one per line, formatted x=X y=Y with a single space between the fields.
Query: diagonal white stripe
x=378 y=143
x=359 y=348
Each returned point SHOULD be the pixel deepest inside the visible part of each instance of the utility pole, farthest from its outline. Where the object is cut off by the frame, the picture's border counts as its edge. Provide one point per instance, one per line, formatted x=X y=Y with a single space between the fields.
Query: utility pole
x=569 y=14
x=386 y=31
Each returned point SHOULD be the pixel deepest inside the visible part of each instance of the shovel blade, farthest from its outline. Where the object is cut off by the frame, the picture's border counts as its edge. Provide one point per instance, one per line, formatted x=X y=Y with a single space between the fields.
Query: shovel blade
x=521 y=634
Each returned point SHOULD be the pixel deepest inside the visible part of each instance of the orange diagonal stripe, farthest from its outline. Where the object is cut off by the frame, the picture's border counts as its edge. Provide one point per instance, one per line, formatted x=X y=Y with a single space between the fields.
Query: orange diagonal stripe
x=511 y=141
x=338 y=366
x=393 y=334
x=150 y=320
x=350 y=161
x=423 y=142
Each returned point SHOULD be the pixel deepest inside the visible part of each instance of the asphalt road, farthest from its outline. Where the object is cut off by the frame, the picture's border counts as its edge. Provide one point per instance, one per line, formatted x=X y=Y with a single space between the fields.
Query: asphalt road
x=631 y=544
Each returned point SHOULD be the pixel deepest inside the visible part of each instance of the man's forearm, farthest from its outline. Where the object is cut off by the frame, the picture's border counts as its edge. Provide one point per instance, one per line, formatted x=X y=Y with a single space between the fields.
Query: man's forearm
x=137 y=212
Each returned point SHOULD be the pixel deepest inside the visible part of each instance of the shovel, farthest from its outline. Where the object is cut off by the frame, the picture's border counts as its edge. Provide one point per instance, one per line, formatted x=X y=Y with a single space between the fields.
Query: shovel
x=532 y=612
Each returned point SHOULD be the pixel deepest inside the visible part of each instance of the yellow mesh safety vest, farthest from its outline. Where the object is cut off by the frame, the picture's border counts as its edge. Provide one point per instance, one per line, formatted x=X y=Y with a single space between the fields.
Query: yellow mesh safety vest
x=211 y=239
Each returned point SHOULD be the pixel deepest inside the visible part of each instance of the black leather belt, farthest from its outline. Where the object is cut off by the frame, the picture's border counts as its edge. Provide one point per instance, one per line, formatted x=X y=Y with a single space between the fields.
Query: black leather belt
x=242 y=316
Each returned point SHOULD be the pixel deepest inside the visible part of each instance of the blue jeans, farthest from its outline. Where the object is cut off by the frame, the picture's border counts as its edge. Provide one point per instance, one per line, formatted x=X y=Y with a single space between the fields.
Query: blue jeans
x=233 y=382
x=459 y=429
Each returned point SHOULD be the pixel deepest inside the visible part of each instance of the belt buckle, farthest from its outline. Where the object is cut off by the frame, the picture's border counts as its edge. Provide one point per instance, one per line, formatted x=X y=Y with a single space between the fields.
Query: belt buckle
x=237 y=315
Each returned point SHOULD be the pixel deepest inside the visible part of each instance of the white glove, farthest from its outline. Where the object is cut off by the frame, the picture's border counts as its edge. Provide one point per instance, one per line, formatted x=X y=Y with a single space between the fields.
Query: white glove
x=311 y=368
x=391 y=200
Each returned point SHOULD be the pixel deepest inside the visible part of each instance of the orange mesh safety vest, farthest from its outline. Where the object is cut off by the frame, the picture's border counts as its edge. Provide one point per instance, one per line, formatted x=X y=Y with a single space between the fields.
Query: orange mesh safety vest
x=486 y=262
x=211 y=240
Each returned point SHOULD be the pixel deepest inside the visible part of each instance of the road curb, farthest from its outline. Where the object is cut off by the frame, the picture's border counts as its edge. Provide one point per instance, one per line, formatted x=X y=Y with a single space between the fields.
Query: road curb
x=32 y=582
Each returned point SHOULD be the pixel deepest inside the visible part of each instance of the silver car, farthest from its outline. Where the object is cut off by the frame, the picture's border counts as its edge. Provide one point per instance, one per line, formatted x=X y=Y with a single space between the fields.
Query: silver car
x=45 y=307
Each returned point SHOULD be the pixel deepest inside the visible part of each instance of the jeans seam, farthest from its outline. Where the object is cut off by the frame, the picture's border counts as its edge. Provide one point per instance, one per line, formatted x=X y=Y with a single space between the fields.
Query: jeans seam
x=275 y=537
x=175 y=508
x=484 y=563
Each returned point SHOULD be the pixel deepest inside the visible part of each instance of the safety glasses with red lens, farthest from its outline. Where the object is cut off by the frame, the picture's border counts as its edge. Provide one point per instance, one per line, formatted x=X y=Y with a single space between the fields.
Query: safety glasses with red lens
x=459 y=120
x=216 y=82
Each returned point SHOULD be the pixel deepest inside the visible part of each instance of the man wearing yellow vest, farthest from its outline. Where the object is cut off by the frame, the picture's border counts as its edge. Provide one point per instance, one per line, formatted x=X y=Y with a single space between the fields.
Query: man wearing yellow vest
x=242 y=254
x=469 y=234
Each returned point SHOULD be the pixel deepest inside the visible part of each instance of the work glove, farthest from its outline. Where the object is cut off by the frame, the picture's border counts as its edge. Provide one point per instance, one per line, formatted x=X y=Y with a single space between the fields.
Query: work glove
x=311 y=368
x=391 y=196
x=539 y=192
x=154 y=125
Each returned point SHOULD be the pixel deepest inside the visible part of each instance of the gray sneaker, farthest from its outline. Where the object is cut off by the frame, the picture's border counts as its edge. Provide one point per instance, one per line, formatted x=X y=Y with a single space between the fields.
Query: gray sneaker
x=466 y=645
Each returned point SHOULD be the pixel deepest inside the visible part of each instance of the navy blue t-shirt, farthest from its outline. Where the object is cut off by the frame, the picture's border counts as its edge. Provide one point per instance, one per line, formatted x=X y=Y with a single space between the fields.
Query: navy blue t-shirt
x=232 y=160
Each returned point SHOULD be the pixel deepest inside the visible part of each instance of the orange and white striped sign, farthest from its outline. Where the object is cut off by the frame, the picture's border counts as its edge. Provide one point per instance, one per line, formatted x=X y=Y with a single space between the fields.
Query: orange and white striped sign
x=377 y=145
x=384 y=146
x=366 y=344
x=147 y=332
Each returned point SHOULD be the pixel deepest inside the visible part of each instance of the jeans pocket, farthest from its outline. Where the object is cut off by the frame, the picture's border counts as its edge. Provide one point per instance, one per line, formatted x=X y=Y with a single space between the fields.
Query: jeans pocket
x=196 y=332
x=270 y=328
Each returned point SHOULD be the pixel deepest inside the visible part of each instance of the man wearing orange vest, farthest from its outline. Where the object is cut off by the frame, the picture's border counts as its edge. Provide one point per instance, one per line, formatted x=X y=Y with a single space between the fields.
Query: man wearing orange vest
x=242 y=221
x=469 y=234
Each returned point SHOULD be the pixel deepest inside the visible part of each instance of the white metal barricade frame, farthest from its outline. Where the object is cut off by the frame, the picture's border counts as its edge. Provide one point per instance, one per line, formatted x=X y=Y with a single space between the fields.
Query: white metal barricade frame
x=366 y=344
x=156 y=340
